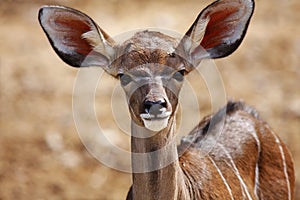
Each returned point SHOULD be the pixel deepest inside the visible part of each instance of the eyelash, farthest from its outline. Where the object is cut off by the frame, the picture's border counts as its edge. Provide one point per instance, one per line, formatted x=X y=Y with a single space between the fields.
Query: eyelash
x=179 y=75
x=125 y=79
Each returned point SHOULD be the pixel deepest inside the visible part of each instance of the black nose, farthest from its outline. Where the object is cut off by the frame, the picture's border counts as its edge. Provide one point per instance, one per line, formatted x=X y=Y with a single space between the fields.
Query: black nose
x=155 y=107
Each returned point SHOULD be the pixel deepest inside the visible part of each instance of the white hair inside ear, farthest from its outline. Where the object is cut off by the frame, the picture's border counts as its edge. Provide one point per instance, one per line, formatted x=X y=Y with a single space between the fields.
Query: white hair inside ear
x=198 y=33
x=99 y=43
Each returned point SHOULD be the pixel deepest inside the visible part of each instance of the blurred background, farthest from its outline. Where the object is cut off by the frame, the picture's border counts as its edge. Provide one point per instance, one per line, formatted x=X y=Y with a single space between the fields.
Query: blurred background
x=41 y=155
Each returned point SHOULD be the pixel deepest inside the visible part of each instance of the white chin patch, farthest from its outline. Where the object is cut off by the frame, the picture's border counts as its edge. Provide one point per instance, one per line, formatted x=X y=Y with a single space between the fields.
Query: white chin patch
x=156 y=124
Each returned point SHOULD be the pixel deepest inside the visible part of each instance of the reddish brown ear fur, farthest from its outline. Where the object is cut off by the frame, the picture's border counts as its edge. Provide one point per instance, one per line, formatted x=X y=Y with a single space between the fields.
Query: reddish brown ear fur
x=70 y=29
x=64 y=28
x=227 y=24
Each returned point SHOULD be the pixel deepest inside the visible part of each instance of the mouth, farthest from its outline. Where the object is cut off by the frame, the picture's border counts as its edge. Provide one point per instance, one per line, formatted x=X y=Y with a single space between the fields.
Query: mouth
x=155 y=122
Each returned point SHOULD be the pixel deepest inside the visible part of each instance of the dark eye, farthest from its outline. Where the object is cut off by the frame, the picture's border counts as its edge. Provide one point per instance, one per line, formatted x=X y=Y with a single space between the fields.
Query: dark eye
x=125 y=79
x=178 y=76
x=172 y=54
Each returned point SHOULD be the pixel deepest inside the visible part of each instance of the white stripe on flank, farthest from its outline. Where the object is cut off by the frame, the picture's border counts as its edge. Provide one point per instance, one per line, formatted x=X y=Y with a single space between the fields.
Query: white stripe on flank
x=223 y=178
x=284 y=164
x=236 y=171
x=256 y=186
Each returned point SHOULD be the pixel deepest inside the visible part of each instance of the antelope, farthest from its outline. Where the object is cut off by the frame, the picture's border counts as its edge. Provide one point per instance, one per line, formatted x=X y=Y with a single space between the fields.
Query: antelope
x=231 y=154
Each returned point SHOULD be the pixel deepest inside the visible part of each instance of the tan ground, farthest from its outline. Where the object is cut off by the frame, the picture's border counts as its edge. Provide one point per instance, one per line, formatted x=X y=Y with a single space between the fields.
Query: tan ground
x=41 y=155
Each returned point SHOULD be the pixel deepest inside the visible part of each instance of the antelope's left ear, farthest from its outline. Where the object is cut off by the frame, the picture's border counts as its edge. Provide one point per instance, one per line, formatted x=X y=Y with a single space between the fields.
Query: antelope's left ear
x=76 y=38
x=219 y=29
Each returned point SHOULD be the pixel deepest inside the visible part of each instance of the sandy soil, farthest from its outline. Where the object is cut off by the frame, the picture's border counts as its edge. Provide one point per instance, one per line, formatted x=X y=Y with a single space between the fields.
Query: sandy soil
x=41 y=155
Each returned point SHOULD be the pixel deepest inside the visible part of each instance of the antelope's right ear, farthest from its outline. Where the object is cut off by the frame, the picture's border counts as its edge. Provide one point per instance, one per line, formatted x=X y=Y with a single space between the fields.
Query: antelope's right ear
x=219 y=29
x=75 y=37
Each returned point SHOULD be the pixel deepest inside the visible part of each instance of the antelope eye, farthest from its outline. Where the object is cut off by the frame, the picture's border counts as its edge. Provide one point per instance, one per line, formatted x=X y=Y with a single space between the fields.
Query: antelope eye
x=125 y=79
x=178 y=76
x=172 y=55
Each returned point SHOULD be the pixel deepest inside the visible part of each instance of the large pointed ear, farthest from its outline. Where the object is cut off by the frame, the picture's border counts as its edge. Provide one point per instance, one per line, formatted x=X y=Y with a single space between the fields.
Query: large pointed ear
x=219 y=29
x=75 y=37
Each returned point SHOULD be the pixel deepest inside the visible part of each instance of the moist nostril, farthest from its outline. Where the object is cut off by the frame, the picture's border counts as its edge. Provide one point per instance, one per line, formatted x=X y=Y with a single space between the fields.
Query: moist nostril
x=154 y=107
x=163 y=104
x=148 y=105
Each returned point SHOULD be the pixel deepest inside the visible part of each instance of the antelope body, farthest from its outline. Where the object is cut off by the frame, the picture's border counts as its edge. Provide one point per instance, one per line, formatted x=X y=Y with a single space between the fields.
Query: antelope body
x=232 y=154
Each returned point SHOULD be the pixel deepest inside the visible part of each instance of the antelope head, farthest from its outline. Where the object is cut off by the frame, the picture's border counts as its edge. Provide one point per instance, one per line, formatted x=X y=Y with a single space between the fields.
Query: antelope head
x=150 y=65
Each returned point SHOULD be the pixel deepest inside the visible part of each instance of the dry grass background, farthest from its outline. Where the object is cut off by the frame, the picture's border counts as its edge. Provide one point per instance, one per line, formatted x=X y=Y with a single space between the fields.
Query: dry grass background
x=41 y=155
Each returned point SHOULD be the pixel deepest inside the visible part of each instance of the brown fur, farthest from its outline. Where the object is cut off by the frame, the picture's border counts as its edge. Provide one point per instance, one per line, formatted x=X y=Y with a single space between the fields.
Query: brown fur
x=232 y=154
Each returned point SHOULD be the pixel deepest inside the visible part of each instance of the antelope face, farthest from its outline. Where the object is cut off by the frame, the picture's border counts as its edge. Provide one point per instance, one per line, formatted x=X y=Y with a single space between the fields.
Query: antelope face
x=151 y=79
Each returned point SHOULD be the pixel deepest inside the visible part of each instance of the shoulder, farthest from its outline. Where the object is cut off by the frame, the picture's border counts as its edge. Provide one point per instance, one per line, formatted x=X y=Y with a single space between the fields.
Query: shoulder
x=234 y=118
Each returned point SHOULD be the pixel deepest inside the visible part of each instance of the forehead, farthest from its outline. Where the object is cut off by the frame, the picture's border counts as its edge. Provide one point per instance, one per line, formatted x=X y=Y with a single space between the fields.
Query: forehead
x=148 y=52
x=150 y=40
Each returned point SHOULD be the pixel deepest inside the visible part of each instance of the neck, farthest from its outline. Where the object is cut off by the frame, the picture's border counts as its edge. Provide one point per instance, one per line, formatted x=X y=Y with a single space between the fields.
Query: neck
x=155 y=166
